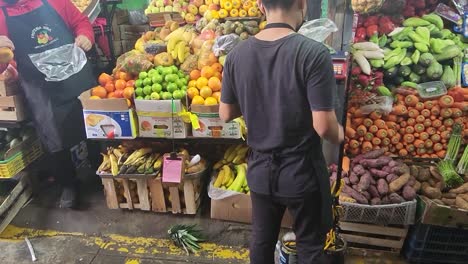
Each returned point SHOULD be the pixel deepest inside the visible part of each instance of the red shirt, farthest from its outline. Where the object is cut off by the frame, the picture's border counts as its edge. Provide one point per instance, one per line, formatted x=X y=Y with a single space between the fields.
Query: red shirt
x=76 y=22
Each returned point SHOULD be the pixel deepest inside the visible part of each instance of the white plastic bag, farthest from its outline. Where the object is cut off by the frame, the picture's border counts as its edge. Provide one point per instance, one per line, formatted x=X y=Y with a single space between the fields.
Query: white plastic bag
x=383 y=104
x=219 y=194
x=60 y=63
x=224 y=44
x=318 y=29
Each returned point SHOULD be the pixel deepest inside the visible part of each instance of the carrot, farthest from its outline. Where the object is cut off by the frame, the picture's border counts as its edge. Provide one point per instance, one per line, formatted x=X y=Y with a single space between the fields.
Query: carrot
x=420 y=119
x=431 y=131
x=395 y=139
x=429 y=104
x=436 y=123
x=357 y=121
x=429 y=151
x=368 y=136
x=434 y=156
x=423 y=135
x=411 y=121
x=456 y=112
x=444 y=142
x=400 y=98
x=428 y=143
x=373 y=129
x=461 y=105
x=345 y=164
x=427 y=123
x=401 y=131
x=376 y=141
x=419 y=128
x=432 y=118
x=361 y=130
x=403 y=124
x=435 y=111
x=441 y=154
x=350 y=133
x=445 y=135
x=437 y=147
x=448 y=122
x=374 y=115
x=409 y=130
x=392 y=118
x=410 y=148
x=368 y=122
x=381 y=133
x=442 y=129
x=446 y=101
x=358 y=113
x=435 y=138
x=411 y=100
x=399 y=146
x=399 y=110
x=392 y=149
x=379 y=123
x=426 y=113
x=353 y=144
x=385 y=141
x=416 y=134
x=408 y=138
x=413 y=113
x=421 y=151
x=367 y=146
x=419 y=143
x=419 y=106
x=403 y=153
x=391 y=132
x=391 y=124
x=459 y=120
x=446 y=112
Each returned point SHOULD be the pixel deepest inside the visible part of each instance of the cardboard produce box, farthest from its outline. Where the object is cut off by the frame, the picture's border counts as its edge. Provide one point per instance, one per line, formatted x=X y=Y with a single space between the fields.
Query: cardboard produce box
x=211 y=125
x=431 y=213
x=158 y=119
x=108 y=118
x=238 y=208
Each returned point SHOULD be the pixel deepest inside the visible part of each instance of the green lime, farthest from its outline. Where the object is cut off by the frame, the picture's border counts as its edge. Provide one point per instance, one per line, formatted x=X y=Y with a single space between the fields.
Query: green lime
x=140 y=98
x=184 y=88
x=167 y=96
x=147 y=90
x=174 y=69
x=152 y=72
x=177 y=94
x=180 y=83
x=166 y=71
x=143 y=75
x=171 y=87
x=147 y=81
x=157 y=78
x=139 y=83
x=155 y=96
x=156 y=87
x=181 y=74
x=148 y=97
x=160 y=69
x=171 y=78
x=139 y=91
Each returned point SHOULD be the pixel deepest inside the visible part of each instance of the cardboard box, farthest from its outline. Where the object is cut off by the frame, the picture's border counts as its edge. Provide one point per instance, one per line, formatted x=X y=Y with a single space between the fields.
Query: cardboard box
x=238 y=208
x=431 y=213
x=108 y=118
x=13 y=108
x=132 y=32
x=157 y=120
x=211 y=125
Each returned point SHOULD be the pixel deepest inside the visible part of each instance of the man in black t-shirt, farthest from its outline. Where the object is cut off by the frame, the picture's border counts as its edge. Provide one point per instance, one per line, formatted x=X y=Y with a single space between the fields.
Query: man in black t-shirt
x=283 y=85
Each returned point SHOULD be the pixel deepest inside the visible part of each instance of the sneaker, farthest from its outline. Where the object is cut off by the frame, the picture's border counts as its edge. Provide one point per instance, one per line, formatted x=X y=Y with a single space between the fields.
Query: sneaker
x=68 y=198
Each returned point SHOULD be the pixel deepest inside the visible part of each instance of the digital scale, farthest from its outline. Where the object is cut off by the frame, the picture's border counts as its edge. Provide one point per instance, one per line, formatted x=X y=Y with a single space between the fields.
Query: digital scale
x=340 y=65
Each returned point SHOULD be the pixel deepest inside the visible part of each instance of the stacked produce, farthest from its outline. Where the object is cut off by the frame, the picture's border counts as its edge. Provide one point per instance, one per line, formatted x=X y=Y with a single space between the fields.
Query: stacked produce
x=377 y=179
x=243 y=29
x=161 y=83
x=122 y=160
x=120 y=85
x=232 y=170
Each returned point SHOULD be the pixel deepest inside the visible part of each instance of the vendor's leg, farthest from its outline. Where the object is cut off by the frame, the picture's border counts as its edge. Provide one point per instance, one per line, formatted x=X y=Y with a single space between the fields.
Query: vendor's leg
x=266 y=224
x=310 y=239
x=65 y=174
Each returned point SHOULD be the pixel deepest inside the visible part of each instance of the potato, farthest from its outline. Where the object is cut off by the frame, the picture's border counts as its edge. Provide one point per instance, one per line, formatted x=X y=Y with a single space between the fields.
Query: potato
x=461 y=202
x=397 y=184
x=414 y=170
x=437 y=201
x=423 y=175
x=449 y=195
x=430 y=192
x=435 y=173
x=396 y=198
x=461 y=189
x=385 y=200
x=448 y=201
x=373 y=191
x=378 y=173
x=417 y=186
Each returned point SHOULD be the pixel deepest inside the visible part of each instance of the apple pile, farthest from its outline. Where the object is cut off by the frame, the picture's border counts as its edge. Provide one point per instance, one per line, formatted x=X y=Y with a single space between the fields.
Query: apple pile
x=161 y=83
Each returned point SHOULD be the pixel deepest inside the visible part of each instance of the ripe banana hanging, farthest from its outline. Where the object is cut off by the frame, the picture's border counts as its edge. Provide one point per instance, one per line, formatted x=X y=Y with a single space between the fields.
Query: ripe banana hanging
x=228 y=174
x=219 y=179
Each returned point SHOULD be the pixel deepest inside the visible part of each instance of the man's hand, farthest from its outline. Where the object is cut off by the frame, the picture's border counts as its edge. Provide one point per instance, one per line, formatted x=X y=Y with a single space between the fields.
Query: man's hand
x=5 y=42
x=83 y=42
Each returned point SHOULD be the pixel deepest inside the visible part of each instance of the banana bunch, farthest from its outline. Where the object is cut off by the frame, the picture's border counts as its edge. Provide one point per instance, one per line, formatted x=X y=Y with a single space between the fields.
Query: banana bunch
x=242 y=125
x=234 y=155
x=178 y=43
x=120 y=161
x=233 y=180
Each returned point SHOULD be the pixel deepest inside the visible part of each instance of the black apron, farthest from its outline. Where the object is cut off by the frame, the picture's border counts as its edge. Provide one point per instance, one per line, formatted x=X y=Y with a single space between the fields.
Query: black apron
x=56 y=111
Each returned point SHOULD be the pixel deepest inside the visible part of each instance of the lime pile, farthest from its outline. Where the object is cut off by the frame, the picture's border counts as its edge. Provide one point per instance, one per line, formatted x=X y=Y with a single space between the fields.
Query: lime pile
x=161 y=83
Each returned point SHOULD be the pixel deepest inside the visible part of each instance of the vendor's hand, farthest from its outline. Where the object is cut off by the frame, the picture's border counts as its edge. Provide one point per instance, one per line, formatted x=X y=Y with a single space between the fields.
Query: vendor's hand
x=5 y=42
x=83 y=42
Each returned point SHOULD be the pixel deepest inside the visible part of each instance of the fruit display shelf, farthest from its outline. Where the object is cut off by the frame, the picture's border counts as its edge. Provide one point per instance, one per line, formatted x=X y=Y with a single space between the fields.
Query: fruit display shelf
x=189 y=139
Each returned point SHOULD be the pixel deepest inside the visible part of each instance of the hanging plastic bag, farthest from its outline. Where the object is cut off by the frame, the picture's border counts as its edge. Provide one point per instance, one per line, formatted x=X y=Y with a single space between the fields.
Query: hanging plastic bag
x=60 y=63
x=318 y=29
x=382 y=104
x=224 y=44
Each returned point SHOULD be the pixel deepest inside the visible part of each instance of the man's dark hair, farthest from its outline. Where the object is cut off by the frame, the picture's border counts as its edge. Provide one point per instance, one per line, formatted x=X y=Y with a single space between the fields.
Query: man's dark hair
x=281 y=4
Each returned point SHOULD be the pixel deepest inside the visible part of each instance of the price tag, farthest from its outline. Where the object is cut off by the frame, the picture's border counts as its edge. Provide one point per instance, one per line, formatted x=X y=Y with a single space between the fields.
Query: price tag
x=173 y=168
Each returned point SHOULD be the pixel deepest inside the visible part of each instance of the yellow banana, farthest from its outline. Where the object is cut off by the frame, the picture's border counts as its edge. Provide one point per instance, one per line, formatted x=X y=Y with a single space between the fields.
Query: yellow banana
x=218 y=165
x=231 y=180
x=158 y=164
x=231 y=157
x=181 y=51
x=113 y=164
x=238 y=160
x=229 y=151
x=228 y=174
x=219 y=179
x=136 y=155
x=105 y=165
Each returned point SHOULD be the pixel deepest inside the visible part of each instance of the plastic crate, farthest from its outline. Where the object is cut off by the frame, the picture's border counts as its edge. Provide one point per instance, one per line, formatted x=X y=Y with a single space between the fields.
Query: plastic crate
x=388 y=214
x=18 y=162
x=436 y=244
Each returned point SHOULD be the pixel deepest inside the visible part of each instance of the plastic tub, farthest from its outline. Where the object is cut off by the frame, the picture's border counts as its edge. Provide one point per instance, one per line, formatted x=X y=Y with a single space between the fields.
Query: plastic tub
x=432 y=89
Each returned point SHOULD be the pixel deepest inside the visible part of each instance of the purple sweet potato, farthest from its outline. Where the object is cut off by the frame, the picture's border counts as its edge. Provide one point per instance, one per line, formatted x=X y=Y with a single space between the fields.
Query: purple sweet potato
x=395 y=198
x=385 y=200
x=364 y=182
x=355 y=195
x=409 y=193
x=386 y=168
x=346 y=180
x=366 y=194
x=373 y=154
x=359 y=170
x=411 y=181
x=376 y=201
x=391 y=177
x=382 y=187
x=394 y=163
x=353 y=178
x=372 y=181
x=376 y=163
x=401 y=169
x=378 y=173
x=373 y=191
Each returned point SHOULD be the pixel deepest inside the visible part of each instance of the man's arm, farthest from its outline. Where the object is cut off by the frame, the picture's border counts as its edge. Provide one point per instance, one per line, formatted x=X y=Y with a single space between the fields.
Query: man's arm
x=228 y=112
x=327 y=127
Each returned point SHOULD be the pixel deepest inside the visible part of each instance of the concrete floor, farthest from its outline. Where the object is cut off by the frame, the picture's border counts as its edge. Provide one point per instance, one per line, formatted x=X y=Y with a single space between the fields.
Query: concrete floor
x=95 y=234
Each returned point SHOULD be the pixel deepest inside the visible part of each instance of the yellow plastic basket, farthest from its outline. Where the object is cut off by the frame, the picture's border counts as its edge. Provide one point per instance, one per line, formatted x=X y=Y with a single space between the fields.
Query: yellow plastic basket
x=18 y=162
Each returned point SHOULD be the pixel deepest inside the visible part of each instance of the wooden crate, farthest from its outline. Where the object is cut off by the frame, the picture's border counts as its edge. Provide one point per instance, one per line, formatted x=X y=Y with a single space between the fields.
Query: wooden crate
x=177 y=198
x=134 y=198
x=368 y=239
x=159 y=19
x=12 y=108
x=15 y=201
x=8 y=88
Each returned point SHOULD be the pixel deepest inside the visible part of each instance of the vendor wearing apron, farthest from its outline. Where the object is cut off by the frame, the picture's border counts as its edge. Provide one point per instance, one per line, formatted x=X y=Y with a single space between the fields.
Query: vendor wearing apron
x=284 y=86
x=35 y=26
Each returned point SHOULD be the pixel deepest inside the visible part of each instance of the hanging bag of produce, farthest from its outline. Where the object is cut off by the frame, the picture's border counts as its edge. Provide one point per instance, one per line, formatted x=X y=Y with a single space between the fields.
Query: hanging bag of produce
x=318 y=29
x=366 y=6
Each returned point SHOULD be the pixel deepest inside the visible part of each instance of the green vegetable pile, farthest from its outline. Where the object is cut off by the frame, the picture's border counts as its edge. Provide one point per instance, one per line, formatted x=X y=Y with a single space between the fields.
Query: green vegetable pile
x=421 y=51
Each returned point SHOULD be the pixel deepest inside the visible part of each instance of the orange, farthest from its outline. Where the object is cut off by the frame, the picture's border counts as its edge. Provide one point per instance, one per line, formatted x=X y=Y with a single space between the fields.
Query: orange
x=195 y=74
x=131 y=83
x=99 y=91
x=201 y=82
x=120 y=84
x=110 y=87
x=192 y=92
x=217 y=95
x=217 y=67
x=198 y=100
x=124 y=76
x=206 y=92
x=212 y=59
x=128 y=92
x=118 y=93
x=214 y=84
x=95 y=97
x=218 y=75
x=111 y=95
x=104 y=78
x=207 y=72
x=211 y=101
x=192 y=83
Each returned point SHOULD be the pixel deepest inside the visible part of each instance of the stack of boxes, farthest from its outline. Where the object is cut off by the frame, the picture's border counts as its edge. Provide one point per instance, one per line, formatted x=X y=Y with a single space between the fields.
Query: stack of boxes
x=125 y=35
x=12 y=106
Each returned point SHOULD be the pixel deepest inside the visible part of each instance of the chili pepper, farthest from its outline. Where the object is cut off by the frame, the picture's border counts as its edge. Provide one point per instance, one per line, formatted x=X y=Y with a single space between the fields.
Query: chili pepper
x=372 y=30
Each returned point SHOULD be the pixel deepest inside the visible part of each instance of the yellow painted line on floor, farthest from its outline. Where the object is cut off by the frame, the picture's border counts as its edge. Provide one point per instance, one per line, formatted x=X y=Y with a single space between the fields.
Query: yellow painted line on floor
x=132 y=261
x=134 y=246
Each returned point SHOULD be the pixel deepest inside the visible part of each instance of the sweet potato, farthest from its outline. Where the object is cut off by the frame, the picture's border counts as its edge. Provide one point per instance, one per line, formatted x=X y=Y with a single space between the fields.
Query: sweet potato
x=373 y=191
x=430 y=192
x=382 y=187
x=364 y=182
x=394 y=163
x=374 y=154
x=448 y=201
x=461 y=189
x=395 y=198
x=386 y=168
x=417 y=186
x=355 y=195
x=366 y=194
x=375 y=201
x=378 y=173
x=431 y=182
x=397 y=184
x=372 y=181
x=435 y=173
x=346 y=180
x=391 y=177
x=449 y=195
x=401 y=169
x=414 y=170
x=411 y=181
x=440 y=185
x=423 y=174
x=461 y=202
x=437 y=201
x=409 y=193
x=353 y=178
x=385 y=200
x=345 y=198
x=359 y=170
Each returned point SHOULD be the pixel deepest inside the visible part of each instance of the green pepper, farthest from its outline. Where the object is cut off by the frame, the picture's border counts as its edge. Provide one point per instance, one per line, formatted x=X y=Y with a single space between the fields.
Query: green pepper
x=376 y=63
x=401 y=44
x=417 y=38
x=435 y=20
x=374 y=39
x=415 y=56
x=392 y=53
x=424 y=33
x=415 y=22
x=421 y=47
x=395 y=60
x=406 y=61
x=383 y=41
x=403 y=35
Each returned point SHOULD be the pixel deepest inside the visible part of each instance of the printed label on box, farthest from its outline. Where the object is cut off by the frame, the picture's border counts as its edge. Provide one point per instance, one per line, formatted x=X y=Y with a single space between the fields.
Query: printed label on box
x=212 y=126
x=162 y=127
x=108 y=124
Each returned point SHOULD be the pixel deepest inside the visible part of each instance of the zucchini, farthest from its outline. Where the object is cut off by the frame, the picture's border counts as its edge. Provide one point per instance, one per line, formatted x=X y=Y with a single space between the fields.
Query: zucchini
x=404 y=71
